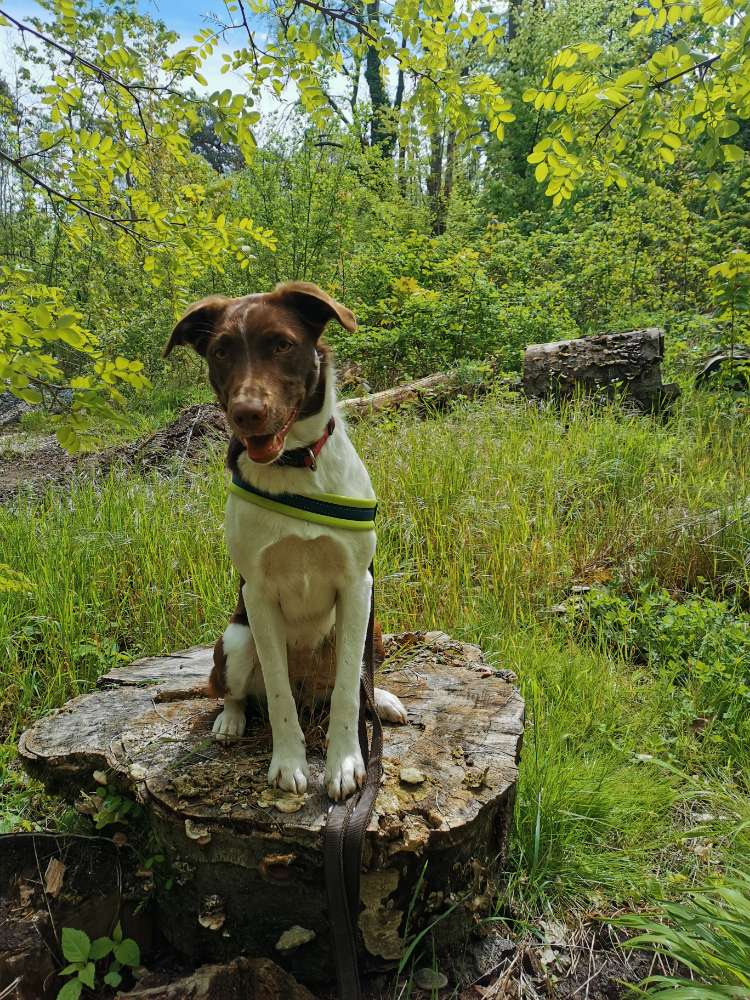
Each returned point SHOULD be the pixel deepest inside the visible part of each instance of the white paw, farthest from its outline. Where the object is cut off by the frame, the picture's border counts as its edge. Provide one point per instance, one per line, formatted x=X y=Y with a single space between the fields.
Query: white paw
x=345 y=770
x=230 y=724
x=289 y=771
x=389 y=708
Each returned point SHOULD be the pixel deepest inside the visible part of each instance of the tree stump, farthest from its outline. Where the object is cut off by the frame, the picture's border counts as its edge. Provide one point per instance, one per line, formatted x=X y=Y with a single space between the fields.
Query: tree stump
x=607 y=364
x=246 y=860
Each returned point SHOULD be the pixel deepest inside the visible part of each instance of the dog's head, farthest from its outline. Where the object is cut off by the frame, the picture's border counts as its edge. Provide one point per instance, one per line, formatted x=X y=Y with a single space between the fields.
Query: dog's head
x=263 y=357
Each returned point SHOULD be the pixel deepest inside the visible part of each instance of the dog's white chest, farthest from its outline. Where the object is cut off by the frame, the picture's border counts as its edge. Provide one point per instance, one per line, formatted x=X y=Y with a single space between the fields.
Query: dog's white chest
x=301 y=567
x=303 y=575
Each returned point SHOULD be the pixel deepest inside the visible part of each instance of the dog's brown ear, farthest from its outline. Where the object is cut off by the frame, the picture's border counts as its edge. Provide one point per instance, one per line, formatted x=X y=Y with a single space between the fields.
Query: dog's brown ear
x=314 y=306
x=197 y=325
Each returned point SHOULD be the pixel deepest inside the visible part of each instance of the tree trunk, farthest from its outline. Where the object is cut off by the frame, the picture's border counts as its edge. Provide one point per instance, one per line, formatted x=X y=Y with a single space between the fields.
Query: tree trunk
x=247 y=860
x=450 y=161
x=435 y=182
x=514 y=8
x=607 y=364
x=381 y=129
x=397 y=102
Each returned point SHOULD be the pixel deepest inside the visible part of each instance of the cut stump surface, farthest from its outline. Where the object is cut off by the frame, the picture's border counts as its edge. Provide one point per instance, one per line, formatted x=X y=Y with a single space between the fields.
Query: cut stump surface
x=247 y=858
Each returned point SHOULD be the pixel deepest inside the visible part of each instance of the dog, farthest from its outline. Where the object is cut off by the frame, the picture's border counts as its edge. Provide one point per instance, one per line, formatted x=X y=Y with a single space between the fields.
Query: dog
x=305 y=588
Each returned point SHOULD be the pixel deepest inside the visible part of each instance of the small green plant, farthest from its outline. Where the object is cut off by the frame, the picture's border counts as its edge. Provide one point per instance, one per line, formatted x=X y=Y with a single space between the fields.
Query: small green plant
x=110 y=806
x=83 y=954
x=11 y=579
x=709 y=934
x=730 y=288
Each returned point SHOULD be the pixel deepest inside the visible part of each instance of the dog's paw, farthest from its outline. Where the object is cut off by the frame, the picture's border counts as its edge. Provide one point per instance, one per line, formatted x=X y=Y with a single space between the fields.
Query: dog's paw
x=389 y=707
x=230 y=724
x=289 y=771
x=345 y=770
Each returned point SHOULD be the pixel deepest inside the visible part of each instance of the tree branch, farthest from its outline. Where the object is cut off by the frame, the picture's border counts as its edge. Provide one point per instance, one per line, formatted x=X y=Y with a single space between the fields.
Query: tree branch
x=700 y=67
x=69 y=200
x=103 y=74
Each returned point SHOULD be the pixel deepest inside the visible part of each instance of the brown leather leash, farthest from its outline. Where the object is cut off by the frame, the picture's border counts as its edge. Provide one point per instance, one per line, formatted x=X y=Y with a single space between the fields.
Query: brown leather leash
x=345 y=832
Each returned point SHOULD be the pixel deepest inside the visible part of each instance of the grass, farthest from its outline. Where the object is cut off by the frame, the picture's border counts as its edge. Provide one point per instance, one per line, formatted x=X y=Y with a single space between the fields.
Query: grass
x=709 y=935
x=488 y=516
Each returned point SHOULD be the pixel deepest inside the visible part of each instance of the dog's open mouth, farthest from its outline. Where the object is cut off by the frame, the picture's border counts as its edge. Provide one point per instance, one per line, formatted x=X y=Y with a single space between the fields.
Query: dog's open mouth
x=265 y=448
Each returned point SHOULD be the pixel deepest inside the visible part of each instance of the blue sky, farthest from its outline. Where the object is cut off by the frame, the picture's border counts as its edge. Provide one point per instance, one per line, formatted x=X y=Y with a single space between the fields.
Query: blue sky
x=185 y=17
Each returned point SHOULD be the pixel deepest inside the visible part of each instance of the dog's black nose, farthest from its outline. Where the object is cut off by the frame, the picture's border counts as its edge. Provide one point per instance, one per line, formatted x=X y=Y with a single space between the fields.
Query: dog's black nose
x=250 y=415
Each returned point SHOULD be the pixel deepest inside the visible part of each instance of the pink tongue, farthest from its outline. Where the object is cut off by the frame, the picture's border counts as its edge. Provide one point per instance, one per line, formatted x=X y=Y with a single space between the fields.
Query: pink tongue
x=264 y=448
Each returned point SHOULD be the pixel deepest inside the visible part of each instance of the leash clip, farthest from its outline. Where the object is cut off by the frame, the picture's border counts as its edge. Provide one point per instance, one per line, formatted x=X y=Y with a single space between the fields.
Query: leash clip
x=312 y=464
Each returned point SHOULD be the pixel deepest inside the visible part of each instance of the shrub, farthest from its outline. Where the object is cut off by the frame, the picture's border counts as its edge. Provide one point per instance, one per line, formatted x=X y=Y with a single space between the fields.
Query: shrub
x=701 y=647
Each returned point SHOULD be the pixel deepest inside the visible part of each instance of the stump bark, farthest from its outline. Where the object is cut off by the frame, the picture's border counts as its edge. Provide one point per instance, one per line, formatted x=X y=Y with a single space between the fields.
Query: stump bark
x=609 y=363
x=246 y=859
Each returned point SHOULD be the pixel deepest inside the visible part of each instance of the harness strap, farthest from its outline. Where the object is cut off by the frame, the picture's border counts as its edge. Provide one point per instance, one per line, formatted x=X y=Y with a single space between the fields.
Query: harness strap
x=345 y=832
x=350 y=513
x=347 y=821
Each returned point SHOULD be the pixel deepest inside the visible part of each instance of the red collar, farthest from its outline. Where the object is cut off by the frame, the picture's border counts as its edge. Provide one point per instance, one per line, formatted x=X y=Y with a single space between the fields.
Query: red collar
x=306 y=457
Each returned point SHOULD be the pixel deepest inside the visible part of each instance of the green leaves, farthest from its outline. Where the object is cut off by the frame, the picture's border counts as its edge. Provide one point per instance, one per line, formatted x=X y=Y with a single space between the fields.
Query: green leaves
x=34 y=320
x=100 y=948
x=87 y=975
x=558 y=164
x=706 y=933
x=71 y=990
x=12 y=580
x=76 y=944
x=730 y=288
x=82 y=955
x=679 y=98
x=118 y=120
x=732 y=154
x=127 y=952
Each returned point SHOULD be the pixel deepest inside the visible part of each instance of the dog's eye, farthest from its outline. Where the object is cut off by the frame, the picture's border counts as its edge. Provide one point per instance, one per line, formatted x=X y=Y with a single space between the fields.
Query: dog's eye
x=282 y=346
x=221 y=354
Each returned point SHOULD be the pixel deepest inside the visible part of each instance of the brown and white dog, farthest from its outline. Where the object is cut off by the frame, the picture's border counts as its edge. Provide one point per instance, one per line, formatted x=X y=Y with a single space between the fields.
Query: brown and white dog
x=304 y=604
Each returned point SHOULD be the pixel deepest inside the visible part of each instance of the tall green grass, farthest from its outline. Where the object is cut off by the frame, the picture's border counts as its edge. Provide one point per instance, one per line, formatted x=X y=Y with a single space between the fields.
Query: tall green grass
x=487 y=516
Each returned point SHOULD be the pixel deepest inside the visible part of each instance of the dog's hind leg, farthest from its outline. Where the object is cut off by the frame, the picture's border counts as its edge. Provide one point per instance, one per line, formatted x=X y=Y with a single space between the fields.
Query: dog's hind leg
x=389 y=707
x=235 y=674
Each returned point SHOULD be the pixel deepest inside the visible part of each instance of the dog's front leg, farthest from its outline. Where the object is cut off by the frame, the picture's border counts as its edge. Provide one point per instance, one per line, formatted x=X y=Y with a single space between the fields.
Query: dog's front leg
x=288 y=767
x=345 y=769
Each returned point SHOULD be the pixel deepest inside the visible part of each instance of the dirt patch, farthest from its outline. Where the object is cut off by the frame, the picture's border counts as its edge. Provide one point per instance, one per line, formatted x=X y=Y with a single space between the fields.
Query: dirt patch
x=181 y=443
x=590 y=962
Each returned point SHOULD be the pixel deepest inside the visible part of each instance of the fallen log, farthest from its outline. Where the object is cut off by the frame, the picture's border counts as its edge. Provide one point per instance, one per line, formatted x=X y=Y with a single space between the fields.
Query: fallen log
x=434 y=390
x=247 y=860
x=607 y=364
x=733 y=365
